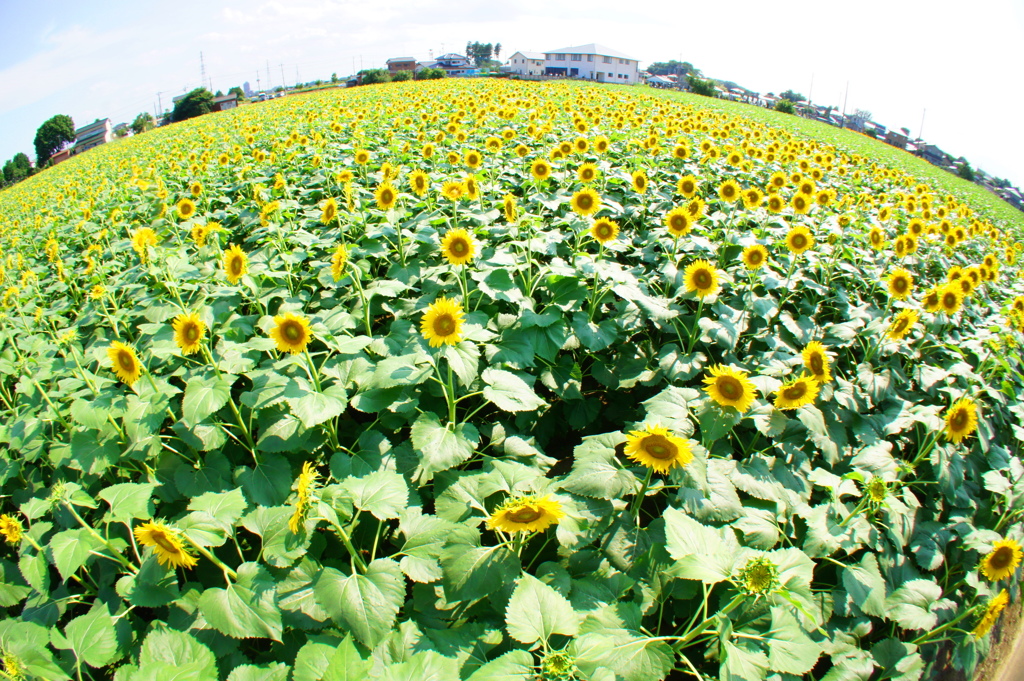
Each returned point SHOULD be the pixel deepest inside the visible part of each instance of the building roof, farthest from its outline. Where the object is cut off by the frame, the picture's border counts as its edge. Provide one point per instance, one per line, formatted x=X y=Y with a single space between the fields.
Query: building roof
x=98 y=124
x=401 y=59
x=531 y=55
x=230 y=97
x=592 y=48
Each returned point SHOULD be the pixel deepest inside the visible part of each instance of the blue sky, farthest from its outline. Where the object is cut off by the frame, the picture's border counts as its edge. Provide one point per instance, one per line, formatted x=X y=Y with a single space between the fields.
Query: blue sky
x=958 y=61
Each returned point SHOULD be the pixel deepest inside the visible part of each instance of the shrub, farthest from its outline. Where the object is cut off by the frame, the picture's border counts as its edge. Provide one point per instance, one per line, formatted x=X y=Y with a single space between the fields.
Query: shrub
x=785 y=106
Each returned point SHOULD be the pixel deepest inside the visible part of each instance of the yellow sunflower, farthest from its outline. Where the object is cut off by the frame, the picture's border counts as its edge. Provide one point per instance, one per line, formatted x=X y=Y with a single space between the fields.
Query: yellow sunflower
x=419 y=182
x=801 y=203
x=509 y=206
x=797 y=393
x=877 y=238
x=291 y=333
x=526 y=514
x=639 y=179
x=540 y=169
x=604 y=230
x=189 y=331
x=142 y=239
x=701 y=277
x=695 y=209
x=304 y=487
x=1002 y=561
x=385 y=195
x=442 y=323
x=329 y=212
x=932 y=300
x=687 y=186
x=902 y=325
x=729 y=191
x=186 y=208
x=362 y=157
x=817 y=362
x=168 y=548
x=458 y=246
x=991 y=616
x=729 y=387
x=961 y=419
x=10 y=528
x=236 y=263
x=776 y=203
x=799 y=239
x=587 y=173
x=678 y=222
x=656 y=447
x=473 y=158
x=901 y=284
x=752 y=198
x=586 y=202
x=452 y=190
x=124 y=362
x=338 y=262
x=755 y=256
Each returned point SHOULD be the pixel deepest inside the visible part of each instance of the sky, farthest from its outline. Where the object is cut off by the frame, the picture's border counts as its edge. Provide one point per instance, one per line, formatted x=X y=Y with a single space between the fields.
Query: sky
x=949 y=71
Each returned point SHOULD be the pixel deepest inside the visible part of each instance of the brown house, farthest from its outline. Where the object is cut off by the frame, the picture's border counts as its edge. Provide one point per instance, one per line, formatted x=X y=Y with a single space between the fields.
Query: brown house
x=397 y=64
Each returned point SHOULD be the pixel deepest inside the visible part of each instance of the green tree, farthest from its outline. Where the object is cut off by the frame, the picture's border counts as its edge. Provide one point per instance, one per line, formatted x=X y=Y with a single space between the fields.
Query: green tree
x=143 y=122
x=195 y=103
x=374 y=76
x=679 y=68
x=400 y=76
x=794 y=97
x=965 y=171
x=785 y=106
x=238 y=92
x=480 y=53
x=700 y=86
x=52 y=136
x=430 y=74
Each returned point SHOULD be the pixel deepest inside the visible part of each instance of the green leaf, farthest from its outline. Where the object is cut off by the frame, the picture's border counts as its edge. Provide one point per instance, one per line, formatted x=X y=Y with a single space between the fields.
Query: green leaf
x=314 y=408
x=631 y=657
x=425 y=538
x=865 y=585
x=366 y=604
x=911 y=605
x=246 y=608
x=250 y=672
x=472 y=572
x=898 y=661
x=515 y=665
x=464 y=359
x=346 y=664
x=169 y=655
x=224 y=507
x=153 y=586
x=204 y=396
x=700 y=552
x=128 y=500
x=91 y=453
x=92 y=637
x=268 y=483
x=422 y=665
x=439 y=447
x=597 y=471
x=281 y=546
x=536 y=611
x=742 y=664
x=397 y=371
x=13 y=587
x=70 y=550
x=790 y=649
x=508 y=392
x=381 y=493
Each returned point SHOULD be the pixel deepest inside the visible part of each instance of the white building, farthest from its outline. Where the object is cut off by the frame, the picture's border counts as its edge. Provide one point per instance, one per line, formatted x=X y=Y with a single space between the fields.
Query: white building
x=92 y=135
x=592 y=62
x=527 y=63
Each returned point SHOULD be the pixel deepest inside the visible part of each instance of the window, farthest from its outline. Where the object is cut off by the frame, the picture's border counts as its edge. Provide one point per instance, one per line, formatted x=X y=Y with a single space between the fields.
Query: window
x=622 y=61
x=559 y=57
x=607 y=60
x=577 y=57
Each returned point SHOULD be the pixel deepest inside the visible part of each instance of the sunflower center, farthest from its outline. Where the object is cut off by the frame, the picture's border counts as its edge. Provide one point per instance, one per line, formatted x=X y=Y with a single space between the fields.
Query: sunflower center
x=728 y=192
x=678 y=223
x=687 y=187
x=702 y=278
x=459 y=247
x=759 y=578
x=729 y=387
x=162 y=540
x=659 y=447
x=604 y=230
x=191 y=332
x=585 y=201
x=444 y=325
x=524 y=515
x=126 y=361
x=1001 y=558
x=900 y=285
x=959 y=419
x=799 y=241
x=754 y=257
x=900 y=326
x=291 y=330
x=587 y=174
x=795 y=391
x=817 y=364
x=235 y=266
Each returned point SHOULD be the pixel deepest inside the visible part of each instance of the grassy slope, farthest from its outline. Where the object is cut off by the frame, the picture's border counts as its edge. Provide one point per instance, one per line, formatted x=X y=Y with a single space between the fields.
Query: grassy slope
x=979 y=198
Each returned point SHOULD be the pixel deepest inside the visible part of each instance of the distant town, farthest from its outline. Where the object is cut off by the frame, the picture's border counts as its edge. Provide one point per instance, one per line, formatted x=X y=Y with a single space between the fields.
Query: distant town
x=591 y=62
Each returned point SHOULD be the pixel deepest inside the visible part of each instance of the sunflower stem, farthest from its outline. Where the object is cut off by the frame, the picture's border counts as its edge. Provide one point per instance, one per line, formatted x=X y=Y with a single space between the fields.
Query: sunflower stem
x=355 y=276
x=352 y=552
x=634 y=509
x=250 y=444
x=115 y=553
x=925 y=638
x=228 y=572
x=314 y=375
x=694 y=335
x=450 y=394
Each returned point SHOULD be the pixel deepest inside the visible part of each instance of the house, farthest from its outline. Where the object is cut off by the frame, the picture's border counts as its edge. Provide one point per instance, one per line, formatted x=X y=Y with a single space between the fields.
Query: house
x=527 y=63
x=62 y=155
x=453 y=65
x=92 y=135
x=896 y=139
x=593 y=62
x=934 y=155
x=396 y=64
x=659 y=81
x=225 y=102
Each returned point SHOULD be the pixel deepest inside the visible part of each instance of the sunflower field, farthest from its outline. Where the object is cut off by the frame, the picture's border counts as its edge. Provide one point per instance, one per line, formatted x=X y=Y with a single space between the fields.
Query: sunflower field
x=470 y=380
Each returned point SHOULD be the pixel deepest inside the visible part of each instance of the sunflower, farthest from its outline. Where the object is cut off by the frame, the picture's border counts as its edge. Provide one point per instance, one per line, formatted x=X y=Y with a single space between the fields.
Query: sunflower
x=338 y=261
x=817 y=362
x=678 y=222
x=755 y=256
x=427 y=150
x=124 y=362
x=604 y=230
x=932 y=300
x=601 y=144
x=1002 y=561
x=877 y=238
x=452 y=190
x=656 y=448
x=142 y=239
x=166 y=545
x=586 y=202
x=419 y=182
x=291 y=333
x=800 y=203
x=639 y=179
x=695 y=209
x=797 y=393
x=329 y=212
x=729 y=191
x=587 y=173
x=473 y=158
x=362 y=157
x=540 y=169
x=385 y=196
x=901 y=284
x=680 y=152
x=304 y=486
x=526 y=514
x=961 y=419
x=236 y=263
x=776 y=203
x=687 y=186
x=729 y=387
x=10 y=528
x=442 y=323
x=189 y=331
x=799 y=239
x=186 y=208
x=902 y=325
x=458 y=247
x=759 y=576
x=752 y=198
x=701 y=277
x=509 y=206
x=991 y=616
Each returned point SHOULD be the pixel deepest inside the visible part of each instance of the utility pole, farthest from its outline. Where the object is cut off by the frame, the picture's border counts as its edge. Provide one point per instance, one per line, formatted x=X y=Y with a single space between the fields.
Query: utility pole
x=269 y=86
x=282 y=73
x=920 y=132
x=161 y=104
x=296 y=76
x=810 y=93
x=202 y=69
x=258 y=88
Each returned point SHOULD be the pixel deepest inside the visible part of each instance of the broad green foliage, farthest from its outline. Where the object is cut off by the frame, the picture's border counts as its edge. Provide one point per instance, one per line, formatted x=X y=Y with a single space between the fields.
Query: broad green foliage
x=502 y=381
